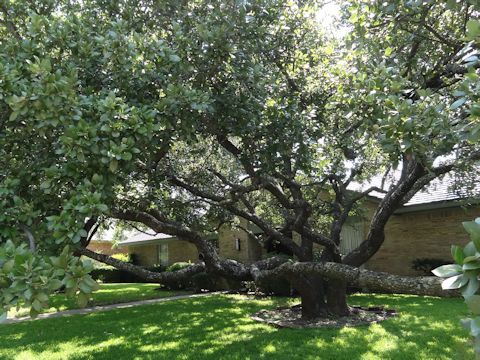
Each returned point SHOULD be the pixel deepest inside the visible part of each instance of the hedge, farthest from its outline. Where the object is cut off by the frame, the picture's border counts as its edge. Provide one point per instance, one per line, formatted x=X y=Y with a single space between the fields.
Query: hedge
x=107 y=275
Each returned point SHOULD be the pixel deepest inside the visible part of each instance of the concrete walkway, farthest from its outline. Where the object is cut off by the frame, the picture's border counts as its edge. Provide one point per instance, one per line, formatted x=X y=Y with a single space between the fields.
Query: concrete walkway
x=108 y=307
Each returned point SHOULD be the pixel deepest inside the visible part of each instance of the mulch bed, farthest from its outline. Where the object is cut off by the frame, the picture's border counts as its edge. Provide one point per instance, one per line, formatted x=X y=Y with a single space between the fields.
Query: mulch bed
x=291 y=317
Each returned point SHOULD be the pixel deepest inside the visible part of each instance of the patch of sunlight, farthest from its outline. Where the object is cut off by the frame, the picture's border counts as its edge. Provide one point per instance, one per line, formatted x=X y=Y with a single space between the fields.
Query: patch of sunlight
x=318 y=342
x=26 y=355
x=270 y=348
x=170 y=345
x=442 y=325
x=348 y=331
x=59 y=351
x=376 y=330
x=150 y=329
x=383 y=345
x=110 y=342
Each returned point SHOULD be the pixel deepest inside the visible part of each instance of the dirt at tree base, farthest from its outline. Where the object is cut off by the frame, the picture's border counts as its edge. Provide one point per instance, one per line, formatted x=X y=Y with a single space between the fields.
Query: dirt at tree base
x=291 y=317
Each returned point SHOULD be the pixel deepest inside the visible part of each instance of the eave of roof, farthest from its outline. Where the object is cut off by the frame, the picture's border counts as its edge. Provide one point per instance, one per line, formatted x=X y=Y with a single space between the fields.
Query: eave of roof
x=147 y=241
x=439 y=205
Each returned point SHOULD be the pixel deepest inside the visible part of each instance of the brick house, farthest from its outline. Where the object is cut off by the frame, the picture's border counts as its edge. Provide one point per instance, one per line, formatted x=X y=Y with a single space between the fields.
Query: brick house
x=425 y=227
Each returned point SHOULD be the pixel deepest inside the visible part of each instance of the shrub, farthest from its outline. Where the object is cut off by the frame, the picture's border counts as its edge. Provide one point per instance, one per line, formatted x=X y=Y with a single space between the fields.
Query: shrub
x=122 y=257
x=178 y=266
x=112 y=275
x=426 y=265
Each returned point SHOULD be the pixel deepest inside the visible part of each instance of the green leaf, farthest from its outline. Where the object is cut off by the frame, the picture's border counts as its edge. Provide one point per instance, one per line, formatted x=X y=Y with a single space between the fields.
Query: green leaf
x=13 y=116
x=473 y=28
x=127 y=156
x=174 y=58
x=3 y=317
x=475 y=326
x=97 y=179
x=102 y=207
x=473 y=229
x=82 y=300
x=473 y=303
x=70 y=283
x=28 y=294
x=42 y=297
x=470 y=259
x=8 y=266
x=84 y=288
x=454 y=282
x=458 y=103
x=472 y=286
x=457 y=254
x=113 y=165
x=54 y=284
x=37 y=306
x=469 y=249
x=472 y=265
x=446 y=271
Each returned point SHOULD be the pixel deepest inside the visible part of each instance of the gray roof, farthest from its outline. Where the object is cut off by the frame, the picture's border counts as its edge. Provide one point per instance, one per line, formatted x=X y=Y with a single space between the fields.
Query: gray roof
x=130 y=237
x=440 y=191
x=138 y=238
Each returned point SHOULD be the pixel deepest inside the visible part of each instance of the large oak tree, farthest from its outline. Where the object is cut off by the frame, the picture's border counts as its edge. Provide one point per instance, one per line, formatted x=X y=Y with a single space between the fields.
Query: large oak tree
x=183 y=115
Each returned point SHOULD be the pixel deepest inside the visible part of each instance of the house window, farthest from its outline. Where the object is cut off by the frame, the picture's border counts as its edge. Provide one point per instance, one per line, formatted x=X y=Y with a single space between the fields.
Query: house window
x=351 y=237
x=237 y=244
x=163 y=254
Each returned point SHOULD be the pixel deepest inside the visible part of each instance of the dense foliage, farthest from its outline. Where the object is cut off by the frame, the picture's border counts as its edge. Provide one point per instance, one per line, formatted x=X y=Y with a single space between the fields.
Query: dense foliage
x=186 y=115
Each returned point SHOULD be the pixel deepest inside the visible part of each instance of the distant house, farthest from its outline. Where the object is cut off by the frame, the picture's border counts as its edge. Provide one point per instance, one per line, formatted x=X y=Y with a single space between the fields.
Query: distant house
x=103 y=242
x=425 y=227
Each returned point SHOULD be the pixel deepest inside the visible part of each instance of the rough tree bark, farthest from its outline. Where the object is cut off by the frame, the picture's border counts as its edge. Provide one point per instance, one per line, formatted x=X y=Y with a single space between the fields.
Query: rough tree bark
x=262 y=270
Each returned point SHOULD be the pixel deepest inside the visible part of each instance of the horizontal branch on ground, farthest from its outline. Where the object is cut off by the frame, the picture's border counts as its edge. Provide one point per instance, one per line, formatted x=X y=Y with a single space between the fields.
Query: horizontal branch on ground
x=275 y=267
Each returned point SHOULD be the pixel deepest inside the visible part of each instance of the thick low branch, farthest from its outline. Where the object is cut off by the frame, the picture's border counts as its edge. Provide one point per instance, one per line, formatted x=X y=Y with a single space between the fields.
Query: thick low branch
x=371 y=280
x=162 y=278
x=275 y=267
x=391 y=202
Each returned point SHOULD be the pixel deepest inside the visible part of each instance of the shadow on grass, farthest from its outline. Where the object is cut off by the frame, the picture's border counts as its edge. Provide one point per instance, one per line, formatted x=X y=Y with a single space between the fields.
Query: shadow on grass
x=220 y=328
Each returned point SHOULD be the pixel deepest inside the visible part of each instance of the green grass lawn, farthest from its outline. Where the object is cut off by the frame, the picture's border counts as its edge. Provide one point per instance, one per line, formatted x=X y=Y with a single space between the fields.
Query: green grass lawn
x=219 y=327
x=107 y=294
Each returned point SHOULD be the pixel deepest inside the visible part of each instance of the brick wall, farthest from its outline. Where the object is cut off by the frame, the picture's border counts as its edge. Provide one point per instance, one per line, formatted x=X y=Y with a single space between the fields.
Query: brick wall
x=178 y=250
x=250 y=251
x=146 y=255
x=423 y=234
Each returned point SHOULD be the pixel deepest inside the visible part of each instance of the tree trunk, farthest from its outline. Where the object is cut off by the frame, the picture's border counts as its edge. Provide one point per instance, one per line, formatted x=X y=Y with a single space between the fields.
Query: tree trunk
x=320 y=298
x=312 y=295
x=336 y=293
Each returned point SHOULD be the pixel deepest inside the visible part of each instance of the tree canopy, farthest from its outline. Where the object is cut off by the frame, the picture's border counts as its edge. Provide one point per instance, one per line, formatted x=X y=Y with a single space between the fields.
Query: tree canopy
x=183 y=115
